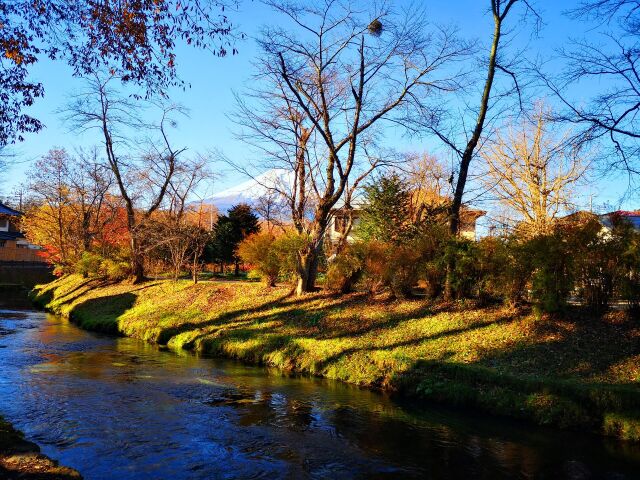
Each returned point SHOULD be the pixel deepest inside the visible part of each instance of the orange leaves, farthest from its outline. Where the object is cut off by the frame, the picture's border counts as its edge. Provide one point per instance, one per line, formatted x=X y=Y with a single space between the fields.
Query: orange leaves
x=15 y=56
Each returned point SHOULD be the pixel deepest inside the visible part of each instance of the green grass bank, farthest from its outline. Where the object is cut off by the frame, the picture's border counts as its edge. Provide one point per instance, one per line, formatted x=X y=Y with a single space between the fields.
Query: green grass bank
x=576 y=372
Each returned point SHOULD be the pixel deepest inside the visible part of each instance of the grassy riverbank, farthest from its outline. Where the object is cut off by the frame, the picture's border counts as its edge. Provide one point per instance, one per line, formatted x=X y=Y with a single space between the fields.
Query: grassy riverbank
x=575 y=372
x=20 y=459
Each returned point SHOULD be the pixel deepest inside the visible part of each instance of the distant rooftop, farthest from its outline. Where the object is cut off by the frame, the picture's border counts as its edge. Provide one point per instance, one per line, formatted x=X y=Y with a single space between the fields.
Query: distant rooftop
x=633 y=216
x=4 y=210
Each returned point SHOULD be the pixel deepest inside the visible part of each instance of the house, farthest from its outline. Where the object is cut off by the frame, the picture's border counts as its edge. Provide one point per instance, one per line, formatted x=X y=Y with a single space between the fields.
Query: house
x=632 y=216
x=339 y=223
x=265 y=191
x=606 y=219
x=14 y=247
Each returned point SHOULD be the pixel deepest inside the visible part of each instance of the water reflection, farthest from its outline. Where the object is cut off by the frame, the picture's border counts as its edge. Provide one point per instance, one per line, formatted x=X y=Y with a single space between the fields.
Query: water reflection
x=119 y=408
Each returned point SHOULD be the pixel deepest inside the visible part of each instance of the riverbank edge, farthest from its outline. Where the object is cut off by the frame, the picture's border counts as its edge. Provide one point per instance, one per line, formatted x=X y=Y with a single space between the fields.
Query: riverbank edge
x=604 y=409
x=20 y=458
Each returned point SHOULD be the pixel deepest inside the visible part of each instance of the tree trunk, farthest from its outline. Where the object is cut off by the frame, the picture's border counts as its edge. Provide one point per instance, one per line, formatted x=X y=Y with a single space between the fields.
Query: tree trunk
x=194 y=269
x=308 y=261
x=306 y=280
x=237 y=271
x=137 y=266
x=343 y=241
x=467 y=155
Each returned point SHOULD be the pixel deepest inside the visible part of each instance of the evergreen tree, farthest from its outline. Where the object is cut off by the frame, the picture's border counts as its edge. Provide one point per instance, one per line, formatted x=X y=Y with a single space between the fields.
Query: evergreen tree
x=387 y=211
x=229 y=231
x=244 y=223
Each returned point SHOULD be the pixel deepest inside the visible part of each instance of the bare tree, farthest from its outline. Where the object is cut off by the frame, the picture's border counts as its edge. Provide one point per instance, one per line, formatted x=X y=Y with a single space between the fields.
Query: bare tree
x=177 y=244
x=271 y=206
x=142 y=177
x=465 y=151
x=178 y=233
x=90 y=181
x=428 y=181
x=533 y=173
x=327 y=82
x=610 y=60
x=71 y=196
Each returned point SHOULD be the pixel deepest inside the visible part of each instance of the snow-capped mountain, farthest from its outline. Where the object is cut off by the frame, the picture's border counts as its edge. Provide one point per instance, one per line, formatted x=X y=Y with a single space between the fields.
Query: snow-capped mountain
x=252 y=190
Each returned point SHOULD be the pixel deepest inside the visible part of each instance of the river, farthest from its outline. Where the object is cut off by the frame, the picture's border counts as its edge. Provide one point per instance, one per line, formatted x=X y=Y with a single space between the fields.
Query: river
x=118 y=408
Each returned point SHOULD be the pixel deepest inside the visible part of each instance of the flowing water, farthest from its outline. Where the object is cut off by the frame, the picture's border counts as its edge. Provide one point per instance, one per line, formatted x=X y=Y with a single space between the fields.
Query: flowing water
x=117 y=408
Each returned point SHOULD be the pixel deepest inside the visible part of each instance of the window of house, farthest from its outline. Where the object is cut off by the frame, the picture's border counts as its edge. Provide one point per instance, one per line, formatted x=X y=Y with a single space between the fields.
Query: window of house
x=2 y=243
x=340 y=224
x=4 y=225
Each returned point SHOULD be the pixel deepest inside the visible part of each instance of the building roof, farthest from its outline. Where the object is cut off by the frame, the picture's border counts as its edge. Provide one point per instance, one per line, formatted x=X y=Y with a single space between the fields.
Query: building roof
x=11 y=235
x=4 y=210
x=606 y=219
x=630 y=215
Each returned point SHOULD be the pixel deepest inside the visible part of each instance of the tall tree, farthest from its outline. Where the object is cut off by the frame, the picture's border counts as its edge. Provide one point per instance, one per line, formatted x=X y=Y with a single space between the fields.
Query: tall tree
x=221 y=247
x=497 y=61
x=72 y=204
x=142 y=177
x=51 y=223
x=328 y=80
x=533 y=173
x=245 y=223
x=133 y=39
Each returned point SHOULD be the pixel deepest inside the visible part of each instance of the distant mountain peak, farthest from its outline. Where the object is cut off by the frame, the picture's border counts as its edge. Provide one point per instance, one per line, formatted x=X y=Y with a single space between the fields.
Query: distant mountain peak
x=252 y=190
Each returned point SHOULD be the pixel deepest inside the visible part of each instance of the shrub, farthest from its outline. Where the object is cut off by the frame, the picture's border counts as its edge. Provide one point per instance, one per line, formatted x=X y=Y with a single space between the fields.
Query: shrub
x=89 y=265
x=379 y=265
x=551 y=280
x=259 y=251
x=286 y=248
x=401 y=272
x=375 y=265
x=504 y=269
x=465 y=275
x=115 y=269
x=347 y=268
x=254 y=275
x=431 y=244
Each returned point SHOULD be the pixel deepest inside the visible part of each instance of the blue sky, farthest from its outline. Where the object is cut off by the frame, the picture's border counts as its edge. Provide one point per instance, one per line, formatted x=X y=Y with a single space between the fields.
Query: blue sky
x=212 y=80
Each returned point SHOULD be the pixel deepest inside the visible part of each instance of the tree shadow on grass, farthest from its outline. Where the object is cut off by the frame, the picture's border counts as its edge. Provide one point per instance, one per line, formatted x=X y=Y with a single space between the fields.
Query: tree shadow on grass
x=306 y=315
x=264 y=340
x=102 y=313
x=80 y=289
x=283 y=308
x=396 y=320
x=586 y=347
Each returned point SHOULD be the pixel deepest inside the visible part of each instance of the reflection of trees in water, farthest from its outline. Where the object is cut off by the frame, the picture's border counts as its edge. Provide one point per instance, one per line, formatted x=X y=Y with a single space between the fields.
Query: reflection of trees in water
x=439 y=449
x=380 y=429
x=264 y=407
